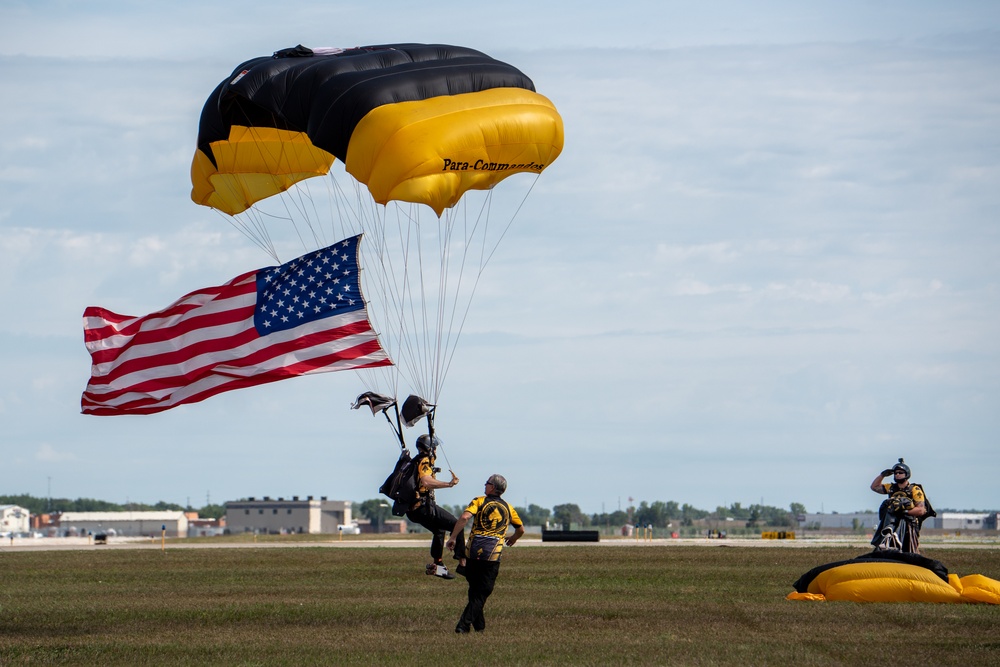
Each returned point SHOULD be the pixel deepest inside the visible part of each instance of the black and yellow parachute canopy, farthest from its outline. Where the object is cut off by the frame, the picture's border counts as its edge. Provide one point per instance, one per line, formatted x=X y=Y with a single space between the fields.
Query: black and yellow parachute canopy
x=414 y=122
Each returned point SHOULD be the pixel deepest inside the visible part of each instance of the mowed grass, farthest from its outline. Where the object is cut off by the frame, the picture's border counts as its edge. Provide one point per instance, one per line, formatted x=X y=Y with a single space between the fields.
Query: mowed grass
x=564 y=605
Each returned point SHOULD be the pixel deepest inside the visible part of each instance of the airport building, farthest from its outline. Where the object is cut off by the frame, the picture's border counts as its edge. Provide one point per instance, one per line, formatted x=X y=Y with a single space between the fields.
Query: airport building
x=964 y=521
x=281 y=516
x=14 y=520
x=127 y=524
x=851 y=520
x=869 y=520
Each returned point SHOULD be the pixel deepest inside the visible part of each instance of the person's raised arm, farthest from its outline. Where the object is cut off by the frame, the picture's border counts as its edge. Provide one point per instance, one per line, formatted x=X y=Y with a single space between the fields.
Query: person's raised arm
x=429 y=482
x=877 y=482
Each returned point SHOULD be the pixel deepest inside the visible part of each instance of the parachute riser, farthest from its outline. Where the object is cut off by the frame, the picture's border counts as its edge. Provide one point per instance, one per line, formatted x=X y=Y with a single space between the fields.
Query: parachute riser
x=430 y=432
x=397 y=428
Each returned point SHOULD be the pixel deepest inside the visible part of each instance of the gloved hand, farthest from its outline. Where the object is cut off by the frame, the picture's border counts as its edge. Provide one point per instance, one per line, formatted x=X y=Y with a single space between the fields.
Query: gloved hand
x=900 y=504
x=887 y=472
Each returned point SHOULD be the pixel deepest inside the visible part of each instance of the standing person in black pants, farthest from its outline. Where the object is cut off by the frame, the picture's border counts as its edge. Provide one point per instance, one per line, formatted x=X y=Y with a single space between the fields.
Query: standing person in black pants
x=491 y=517
x=425 y=510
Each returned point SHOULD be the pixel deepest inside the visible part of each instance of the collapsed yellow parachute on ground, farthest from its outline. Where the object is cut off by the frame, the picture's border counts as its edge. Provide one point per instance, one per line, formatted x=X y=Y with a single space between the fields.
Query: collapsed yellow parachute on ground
x=414 y=122
x=893 y=577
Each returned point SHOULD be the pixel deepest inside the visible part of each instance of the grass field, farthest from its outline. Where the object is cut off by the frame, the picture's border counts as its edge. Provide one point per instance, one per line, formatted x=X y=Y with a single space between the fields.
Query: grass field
x=568 y=605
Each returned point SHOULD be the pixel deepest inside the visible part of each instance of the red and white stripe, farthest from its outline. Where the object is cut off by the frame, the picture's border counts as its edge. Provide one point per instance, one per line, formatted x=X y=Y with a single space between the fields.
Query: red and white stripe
x=205 y=344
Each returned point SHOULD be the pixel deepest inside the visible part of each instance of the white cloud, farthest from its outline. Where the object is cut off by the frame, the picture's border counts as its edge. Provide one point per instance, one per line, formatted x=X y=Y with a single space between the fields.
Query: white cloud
x=712 y=252
x=808 y=290
x=691 y=287
x=46 y=453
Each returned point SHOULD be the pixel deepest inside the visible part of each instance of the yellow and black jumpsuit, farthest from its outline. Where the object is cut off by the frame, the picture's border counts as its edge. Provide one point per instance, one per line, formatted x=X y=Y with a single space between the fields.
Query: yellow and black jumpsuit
x=914 y=492
x=426 y=513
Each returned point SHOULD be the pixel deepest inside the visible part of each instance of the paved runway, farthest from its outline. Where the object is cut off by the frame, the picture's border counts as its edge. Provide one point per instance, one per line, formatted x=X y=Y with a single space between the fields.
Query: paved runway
x=420 y=542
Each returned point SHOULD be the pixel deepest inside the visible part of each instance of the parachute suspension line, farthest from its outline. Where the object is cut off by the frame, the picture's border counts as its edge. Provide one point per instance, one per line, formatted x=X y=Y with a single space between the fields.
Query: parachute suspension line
x=373 y=250
x=379 y=254
x=434 y=352
x=300 y=197
x=450 y=343
x=249 y=223
x=362 y=217
x=387 y=254
x=484 y=261
x=511 y=221
x=413 y=290
x=257 y=236
x=397 y=243
x=428 y=339
x=446 y=308
x=397 y=428
x=296 y=202
x=349 y=216
x=408 y=344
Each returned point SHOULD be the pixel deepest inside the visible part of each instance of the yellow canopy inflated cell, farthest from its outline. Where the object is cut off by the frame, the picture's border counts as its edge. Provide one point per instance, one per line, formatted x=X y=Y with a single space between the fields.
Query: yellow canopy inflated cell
x=433 y=151
x=896 y=582
x=883 y=582
x=810 y=597
x=977 y=588
x=252 y=164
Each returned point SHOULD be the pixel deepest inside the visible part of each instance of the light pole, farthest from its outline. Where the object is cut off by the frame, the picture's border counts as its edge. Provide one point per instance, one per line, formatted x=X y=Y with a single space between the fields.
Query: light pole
x=382 y=507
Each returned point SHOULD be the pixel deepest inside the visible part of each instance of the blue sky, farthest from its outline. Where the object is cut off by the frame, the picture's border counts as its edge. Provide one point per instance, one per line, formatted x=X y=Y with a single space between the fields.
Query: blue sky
x=764 y=267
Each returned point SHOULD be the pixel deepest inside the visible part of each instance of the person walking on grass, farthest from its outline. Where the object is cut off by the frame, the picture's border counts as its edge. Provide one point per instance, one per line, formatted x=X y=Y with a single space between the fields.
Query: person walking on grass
x=491 y=517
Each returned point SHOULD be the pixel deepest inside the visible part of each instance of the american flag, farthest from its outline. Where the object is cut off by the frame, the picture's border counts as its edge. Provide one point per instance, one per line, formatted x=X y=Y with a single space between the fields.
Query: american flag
x=305 y=316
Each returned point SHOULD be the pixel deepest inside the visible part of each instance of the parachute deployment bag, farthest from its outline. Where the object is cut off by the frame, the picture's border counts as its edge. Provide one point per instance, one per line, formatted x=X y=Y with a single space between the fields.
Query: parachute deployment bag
x=401 y=484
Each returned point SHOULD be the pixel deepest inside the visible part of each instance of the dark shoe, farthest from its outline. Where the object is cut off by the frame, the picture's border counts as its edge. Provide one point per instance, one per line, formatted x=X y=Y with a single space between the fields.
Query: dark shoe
x=460 y=570
x=461 y=630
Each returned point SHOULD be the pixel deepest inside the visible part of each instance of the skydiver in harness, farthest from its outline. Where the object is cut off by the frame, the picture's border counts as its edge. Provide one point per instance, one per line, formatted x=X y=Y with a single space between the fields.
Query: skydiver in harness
x=425 y=510
x=902 y=513
x=420 y=506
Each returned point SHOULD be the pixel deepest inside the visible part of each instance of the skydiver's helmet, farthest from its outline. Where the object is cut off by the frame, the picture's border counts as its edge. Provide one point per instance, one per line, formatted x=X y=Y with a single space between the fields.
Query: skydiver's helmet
x=427 y=444
x=901 y=466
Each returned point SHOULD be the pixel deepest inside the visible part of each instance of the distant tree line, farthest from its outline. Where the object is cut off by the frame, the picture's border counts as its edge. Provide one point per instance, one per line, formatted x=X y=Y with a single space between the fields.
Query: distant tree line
x=658 y=514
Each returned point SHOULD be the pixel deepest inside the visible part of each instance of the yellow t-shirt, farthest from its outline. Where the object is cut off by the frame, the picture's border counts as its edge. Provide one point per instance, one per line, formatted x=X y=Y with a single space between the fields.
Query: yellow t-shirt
x=912 y=491
x=491 y=517
x=425 y=467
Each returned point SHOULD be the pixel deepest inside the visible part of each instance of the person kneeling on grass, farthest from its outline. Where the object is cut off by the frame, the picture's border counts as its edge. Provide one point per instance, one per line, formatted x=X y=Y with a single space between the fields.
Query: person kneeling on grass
x=491 y=517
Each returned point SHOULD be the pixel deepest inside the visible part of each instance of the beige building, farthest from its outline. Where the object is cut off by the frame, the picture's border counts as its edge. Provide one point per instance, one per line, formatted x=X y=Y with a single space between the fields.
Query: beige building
x=270 y=516
x=14 y=520
x=130 y=524
x=965 y=521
